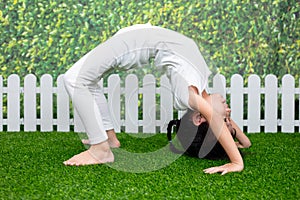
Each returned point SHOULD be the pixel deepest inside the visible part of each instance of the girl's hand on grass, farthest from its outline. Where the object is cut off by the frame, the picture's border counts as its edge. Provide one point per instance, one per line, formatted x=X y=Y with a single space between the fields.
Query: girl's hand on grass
x=224 y=169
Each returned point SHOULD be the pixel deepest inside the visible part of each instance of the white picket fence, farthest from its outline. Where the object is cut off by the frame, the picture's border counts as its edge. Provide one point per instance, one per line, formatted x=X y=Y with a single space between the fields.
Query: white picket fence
x=47 y=107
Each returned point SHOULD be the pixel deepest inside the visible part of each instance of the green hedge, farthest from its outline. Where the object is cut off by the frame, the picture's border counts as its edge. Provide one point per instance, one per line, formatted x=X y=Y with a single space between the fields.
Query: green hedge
x=48 y=36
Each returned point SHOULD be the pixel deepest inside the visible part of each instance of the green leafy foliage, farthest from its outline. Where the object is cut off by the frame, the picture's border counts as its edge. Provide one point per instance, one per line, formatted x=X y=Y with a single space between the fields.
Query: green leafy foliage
x=246 y=37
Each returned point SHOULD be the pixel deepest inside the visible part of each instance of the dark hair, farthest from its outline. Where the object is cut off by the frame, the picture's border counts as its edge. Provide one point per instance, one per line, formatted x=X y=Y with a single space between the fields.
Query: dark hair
x=196 y=141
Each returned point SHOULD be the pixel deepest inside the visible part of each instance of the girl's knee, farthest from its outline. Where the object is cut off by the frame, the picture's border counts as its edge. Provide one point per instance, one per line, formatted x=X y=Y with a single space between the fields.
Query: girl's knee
x=68 y=80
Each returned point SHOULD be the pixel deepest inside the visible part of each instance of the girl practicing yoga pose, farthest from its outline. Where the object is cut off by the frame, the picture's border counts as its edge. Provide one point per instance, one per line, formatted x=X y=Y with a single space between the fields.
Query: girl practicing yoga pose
x=173 y=53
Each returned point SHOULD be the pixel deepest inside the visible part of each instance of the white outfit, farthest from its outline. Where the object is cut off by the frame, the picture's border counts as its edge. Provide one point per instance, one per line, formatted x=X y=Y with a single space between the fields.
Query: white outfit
x=131 y=47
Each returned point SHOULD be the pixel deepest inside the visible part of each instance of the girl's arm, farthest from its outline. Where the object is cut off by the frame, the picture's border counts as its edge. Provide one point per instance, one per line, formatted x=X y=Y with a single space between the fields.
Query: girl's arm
x=221 y=132
x=243 y=140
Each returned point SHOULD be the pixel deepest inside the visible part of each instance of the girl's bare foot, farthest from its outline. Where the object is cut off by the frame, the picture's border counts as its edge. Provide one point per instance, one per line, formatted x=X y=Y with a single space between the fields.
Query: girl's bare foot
x=97 y=154
x=112 y=139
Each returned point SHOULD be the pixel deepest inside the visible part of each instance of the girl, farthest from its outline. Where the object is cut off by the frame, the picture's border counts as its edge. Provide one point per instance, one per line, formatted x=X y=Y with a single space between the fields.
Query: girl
x=175 y=54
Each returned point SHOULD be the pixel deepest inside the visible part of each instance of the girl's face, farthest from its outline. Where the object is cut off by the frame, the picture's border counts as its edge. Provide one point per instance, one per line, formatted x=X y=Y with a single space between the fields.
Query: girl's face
x=218 y=103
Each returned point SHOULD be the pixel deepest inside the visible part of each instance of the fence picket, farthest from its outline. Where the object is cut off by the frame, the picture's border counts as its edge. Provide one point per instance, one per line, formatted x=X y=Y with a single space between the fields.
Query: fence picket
x=149 y=104
x=30 y=117
x=13 y=103
x=46 y=103
x=131 y=104
x=114 y=100
x=237 y=99
x=1 y=103
x=219 y=85
x=63 y=106
x=166 y=103
x=254 y=105
x=288 y=103
x=271 y=104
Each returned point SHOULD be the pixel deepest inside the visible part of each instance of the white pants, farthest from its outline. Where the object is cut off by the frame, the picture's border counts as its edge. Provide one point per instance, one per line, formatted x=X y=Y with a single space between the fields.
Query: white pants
x=81 y=81
x=89 y=101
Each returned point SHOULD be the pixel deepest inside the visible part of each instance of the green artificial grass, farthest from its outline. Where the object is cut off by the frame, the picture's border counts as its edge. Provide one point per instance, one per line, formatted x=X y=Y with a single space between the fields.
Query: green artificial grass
x=31 y=168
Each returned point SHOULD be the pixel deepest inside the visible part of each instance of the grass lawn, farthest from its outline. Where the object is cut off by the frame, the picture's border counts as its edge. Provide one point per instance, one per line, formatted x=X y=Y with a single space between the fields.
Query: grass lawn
x=31 y=168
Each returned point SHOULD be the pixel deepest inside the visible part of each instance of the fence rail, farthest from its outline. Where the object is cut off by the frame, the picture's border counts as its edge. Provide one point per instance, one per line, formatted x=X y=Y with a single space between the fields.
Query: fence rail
x=147 y=108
